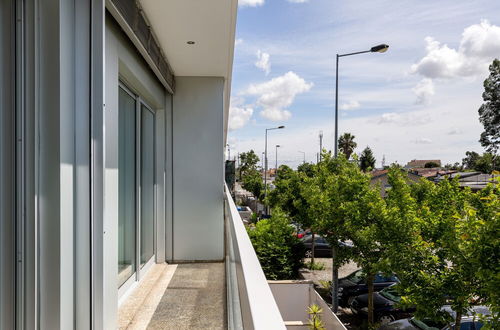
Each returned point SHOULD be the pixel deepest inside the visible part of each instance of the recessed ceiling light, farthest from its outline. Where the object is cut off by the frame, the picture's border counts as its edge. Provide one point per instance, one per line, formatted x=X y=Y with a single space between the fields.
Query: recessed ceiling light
x=190 y=42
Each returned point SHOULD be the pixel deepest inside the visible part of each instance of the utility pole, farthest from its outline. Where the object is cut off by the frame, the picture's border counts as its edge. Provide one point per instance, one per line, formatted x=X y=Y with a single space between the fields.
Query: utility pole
x=320 y=144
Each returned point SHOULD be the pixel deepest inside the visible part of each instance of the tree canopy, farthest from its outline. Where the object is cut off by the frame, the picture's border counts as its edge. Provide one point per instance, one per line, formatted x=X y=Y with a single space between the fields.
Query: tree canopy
x=489 y=112
x=367 y=160
x=347 y=144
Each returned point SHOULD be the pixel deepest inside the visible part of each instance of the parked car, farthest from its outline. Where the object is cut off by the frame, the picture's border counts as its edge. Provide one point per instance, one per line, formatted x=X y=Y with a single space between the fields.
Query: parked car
x=468 y=322
x=384 y=305
x=354 y=285
x=322 y=249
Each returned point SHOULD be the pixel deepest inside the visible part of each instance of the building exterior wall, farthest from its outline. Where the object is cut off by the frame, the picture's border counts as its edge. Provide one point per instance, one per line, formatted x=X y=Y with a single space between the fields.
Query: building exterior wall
x=58 y=165
x=198 y=227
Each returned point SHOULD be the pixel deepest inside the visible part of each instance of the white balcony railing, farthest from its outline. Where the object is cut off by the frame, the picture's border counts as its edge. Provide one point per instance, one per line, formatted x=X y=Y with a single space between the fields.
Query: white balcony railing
x=250 y=302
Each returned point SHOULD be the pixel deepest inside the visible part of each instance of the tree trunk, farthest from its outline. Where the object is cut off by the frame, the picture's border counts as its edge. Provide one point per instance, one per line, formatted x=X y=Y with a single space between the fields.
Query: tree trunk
x=458 y=320
x=312 y=249
x=369 y=282
x=335 y=280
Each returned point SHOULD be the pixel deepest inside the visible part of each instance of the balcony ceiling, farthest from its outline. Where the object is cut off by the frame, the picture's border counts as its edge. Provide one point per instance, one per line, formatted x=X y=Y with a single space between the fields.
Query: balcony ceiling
x=210 y=24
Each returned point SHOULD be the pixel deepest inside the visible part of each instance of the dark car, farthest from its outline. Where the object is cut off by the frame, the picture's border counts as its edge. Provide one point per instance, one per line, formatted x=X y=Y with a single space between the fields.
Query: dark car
x=354 y=285
x=385 y=307
x=321 y=247
x=468 y=322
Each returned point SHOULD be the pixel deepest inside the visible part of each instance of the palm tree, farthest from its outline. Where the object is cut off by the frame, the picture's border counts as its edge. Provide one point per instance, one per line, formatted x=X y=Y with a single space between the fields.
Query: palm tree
x=347 y=144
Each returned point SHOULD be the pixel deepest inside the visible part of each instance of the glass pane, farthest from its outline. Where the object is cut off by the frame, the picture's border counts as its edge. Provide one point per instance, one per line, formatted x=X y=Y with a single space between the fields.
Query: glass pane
x=147 y=184
x=126 y=182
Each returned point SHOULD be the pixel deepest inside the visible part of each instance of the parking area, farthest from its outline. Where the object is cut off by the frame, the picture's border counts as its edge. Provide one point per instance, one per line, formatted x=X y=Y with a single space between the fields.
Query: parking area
x=349 y=320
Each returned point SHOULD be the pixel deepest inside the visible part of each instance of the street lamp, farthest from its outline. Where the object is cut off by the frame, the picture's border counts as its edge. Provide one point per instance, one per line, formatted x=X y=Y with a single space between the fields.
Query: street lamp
x=304 y=155
x=375 y=49
x=276 y=167
x=265 y=164
x=228 y=152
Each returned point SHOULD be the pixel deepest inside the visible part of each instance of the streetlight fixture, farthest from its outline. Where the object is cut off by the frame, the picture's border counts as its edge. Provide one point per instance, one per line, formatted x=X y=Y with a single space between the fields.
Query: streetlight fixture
x=304 y=156
x=382 y=48
x=265 y=164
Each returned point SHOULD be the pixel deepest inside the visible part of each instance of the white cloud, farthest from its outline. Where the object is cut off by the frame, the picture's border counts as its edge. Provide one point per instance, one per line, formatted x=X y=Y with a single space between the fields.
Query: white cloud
x=422 y=141
x=239 y=117
x=404 y=119
x=424 y=90
x=238 y=41
x=479 y=45
x=351 y=105
x=250 y=3
x=454 y=131
x=298 y=1
x=263 y=62
x=275 y=95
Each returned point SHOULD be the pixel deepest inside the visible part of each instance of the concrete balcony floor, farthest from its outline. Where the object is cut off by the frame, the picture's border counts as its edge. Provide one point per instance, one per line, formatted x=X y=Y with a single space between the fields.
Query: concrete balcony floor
x=182 y=296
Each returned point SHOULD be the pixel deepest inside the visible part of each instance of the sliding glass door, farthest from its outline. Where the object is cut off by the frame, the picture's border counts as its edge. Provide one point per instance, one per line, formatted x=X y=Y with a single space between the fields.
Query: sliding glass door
x=147 y=184
x=136 y=199
x=127 y=187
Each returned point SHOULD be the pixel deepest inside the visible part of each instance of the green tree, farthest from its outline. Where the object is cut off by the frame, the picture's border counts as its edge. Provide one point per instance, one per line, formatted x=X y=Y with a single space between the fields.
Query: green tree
x=306 y=168
x=487 y=163
x=438 y=263
x=471 y=157
x=346 y=207
x=277 y=247
x=248 y=163
x=252 y=182
x=288 y=195
x=431 y=165
x=347 y=144
x=367 y=160
x=489 y=112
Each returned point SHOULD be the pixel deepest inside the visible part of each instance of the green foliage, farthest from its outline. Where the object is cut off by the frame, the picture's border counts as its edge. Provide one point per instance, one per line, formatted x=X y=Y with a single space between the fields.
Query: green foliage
x=315 y=265
x=487 y=163
x=347 y=144
x=248 y=162
x=489 y=112
x=431 y=165
x=445 y=247
x=252 y=182
x=306 y=168
x=471 y=157
x=315 y=322
x=367 y=160
x=278 y=248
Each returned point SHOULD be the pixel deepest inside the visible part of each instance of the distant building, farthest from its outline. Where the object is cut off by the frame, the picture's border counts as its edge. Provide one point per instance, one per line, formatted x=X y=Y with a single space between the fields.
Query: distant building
x=380 y=177
x=474 y=180
x=420 y=163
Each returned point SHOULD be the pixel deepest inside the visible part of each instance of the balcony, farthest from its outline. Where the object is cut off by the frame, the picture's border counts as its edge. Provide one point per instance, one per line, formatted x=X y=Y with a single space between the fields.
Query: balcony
x=228 y=295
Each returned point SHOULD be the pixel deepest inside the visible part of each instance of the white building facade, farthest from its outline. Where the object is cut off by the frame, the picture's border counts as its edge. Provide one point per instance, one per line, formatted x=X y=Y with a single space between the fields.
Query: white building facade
x=113 y=121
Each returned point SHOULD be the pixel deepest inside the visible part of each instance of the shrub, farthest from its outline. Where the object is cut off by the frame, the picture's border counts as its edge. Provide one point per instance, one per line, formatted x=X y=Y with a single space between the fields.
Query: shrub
x=278 y=249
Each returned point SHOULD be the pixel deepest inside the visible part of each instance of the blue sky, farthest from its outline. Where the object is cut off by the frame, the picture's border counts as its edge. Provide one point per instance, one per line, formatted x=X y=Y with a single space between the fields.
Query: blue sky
x=417 y=100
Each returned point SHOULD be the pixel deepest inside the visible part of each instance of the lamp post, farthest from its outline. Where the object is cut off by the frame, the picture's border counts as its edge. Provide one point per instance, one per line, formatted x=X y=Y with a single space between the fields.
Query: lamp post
x=262 y=161
x=375 y=49
x=304 y=156
x=382 y=48
x=276 y=167
x=228 y=152
x=265 y=164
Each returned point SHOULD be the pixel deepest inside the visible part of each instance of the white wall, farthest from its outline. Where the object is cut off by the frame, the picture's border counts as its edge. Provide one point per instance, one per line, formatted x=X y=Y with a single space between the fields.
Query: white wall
x=198 y=225
x=124 y=64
